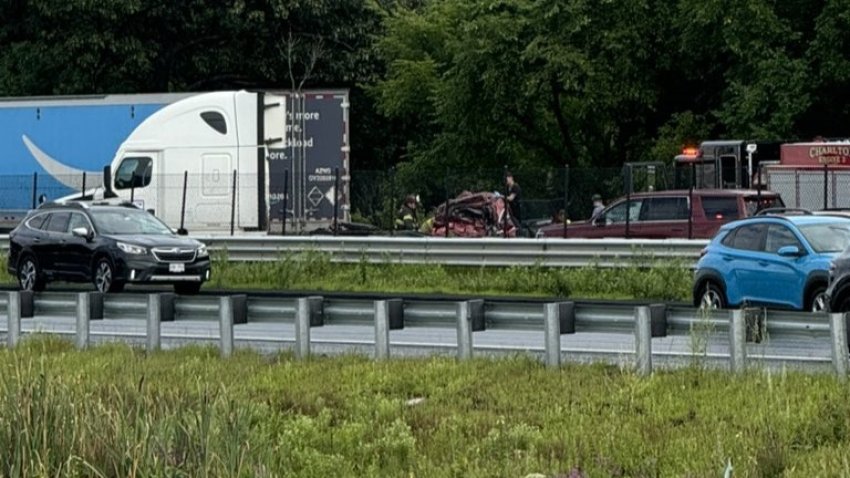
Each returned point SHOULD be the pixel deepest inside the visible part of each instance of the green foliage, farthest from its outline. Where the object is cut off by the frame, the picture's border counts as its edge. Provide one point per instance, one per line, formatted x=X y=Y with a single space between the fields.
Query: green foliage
x=115 y=411
x=646 y=279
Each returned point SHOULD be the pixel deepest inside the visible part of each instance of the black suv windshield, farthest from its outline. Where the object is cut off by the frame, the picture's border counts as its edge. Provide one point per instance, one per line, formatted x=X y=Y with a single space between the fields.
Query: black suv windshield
x=127 y=221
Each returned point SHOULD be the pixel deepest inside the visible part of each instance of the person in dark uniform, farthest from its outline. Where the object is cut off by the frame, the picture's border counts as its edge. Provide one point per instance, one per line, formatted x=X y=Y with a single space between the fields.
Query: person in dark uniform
x=514 y=194
x=408 y=215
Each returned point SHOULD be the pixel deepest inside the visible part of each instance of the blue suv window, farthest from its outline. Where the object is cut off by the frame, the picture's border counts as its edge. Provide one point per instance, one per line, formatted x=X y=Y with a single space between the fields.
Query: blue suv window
x=748 y=238
x=779 y=236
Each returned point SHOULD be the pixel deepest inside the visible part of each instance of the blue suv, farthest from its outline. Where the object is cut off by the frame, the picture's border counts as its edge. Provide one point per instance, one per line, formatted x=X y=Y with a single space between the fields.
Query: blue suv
x=772 y=259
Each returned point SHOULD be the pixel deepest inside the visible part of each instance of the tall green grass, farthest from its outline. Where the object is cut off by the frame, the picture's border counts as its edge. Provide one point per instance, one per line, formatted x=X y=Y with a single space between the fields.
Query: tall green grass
x=115 y=411
x=646 y=278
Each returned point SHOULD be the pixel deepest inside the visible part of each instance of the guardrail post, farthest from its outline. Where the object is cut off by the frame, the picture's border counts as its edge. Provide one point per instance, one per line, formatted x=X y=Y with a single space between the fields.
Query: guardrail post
x=382 y=330
x=303 y=316
x=737 y=340
x=153 y=337
x=552 y=323
x=95 y=305
x=567 y=311
x=239 y=303
x=465 y=313
x=475 y=309
x=225 y=316
x=643 y=340
x=83 y=318
x=658 y=317
x=27 y=304
x=13 y=314
x=756 y=329
x=838 y=330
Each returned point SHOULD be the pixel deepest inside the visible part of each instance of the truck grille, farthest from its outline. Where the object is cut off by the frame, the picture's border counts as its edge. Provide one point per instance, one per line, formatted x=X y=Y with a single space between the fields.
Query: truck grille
x=173 y=254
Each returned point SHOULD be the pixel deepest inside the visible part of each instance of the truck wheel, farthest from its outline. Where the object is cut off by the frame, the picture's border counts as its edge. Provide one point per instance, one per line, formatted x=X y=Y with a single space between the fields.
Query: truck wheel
x=712 y=297
x=817 y=299
x=187 y=288
x=104 y=277
x=842 y=304
x=29 y=275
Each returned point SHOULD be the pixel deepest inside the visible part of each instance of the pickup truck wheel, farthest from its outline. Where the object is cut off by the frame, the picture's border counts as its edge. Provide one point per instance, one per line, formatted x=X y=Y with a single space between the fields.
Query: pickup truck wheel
x=817 y=300
x=29 y=275
x=712 y=297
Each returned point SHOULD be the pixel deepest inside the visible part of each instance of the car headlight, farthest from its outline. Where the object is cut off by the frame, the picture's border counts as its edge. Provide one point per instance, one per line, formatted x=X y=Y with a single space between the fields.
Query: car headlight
x=131 y=248
x=202 y=251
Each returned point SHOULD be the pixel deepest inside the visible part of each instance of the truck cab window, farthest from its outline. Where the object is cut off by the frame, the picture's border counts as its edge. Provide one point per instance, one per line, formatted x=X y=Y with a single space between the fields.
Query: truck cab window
x=134 y=173
x=215 y=120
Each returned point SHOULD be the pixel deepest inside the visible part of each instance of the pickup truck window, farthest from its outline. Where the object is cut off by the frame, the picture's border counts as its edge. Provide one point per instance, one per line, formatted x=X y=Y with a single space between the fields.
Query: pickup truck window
x=617 y=213
x=133 y=172
x=720 y=207
x=665 y=209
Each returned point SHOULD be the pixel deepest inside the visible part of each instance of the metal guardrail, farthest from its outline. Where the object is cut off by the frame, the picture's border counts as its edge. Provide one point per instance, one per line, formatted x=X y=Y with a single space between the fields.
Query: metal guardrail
x=454 y=251
x=557 y=330
x=458 y=251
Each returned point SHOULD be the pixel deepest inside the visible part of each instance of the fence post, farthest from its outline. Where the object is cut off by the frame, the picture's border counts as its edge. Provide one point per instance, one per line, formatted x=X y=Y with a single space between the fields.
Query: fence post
x=464 y=331
x=382 y=330
x=643 y=340
x=825 y=186
x=303 y=313
x=153 y=339
x=34 y=188
x=13 y=314
x=83 y=318
x=552 y=324
x=225 y=316
x=737 y=340
x=838 y=331
x=336 y=200
x=566 y=198
x=183 y=203
x=283 y=206
x=83 y=192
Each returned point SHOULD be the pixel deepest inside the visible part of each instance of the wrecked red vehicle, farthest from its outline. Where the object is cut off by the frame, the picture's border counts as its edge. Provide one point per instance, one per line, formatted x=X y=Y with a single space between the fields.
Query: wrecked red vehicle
x=481 y=214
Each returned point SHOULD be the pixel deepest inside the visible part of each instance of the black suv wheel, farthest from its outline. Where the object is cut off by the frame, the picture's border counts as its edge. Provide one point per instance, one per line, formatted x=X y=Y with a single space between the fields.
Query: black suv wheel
x=103 y=277
x=29 y=274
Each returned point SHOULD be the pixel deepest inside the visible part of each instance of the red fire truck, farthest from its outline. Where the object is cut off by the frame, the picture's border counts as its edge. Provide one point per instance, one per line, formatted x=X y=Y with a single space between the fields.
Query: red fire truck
x=813 y=175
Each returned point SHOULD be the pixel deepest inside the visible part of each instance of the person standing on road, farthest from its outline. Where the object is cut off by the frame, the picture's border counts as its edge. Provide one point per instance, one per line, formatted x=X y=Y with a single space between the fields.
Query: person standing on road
x=514 y=193
x=598 y=206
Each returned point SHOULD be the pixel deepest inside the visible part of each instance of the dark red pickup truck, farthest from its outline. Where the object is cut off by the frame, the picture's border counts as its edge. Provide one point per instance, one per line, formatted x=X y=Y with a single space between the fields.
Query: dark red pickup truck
x=664 y=214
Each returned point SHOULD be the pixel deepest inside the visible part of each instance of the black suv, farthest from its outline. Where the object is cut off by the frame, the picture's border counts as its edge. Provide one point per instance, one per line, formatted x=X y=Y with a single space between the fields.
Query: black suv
x=109 y=245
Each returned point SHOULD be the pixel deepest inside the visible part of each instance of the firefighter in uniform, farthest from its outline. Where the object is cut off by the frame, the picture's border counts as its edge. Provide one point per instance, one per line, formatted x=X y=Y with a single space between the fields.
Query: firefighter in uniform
x=408 y=215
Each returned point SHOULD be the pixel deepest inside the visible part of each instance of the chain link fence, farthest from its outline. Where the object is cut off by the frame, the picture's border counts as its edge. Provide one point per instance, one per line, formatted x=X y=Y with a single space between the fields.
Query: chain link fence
x=369 y=201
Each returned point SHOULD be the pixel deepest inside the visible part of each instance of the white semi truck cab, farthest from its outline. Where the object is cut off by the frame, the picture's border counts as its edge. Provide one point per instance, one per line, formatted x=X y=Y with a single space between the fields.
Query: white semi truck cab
x=202 y=160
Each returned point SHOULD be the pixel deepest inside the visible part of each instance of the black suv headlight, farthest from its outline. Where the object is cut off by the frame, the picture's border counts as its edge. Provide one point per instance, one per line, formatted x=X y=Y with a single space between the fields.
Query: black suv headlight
x=131 y=248
x=202 y=251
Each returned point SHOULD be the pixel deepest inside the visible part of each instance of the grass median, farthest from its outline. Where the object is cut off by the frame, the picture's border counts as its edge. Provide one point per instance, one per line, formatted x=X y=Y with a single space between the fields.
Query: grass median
x=645 y=278
x=115 y=411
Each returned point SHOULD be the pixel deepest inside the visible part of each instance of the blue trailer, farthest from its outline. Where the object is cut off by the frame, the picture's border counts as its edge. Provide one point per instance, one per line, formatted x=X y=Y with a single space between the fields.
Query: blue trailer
x=52 y=147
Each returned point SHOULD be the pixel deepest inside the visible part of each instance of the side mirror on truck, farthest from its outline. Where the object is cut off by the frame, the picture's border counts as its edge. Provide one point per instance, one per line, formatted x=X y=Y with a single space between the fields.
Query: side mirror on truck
x=107 y=183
